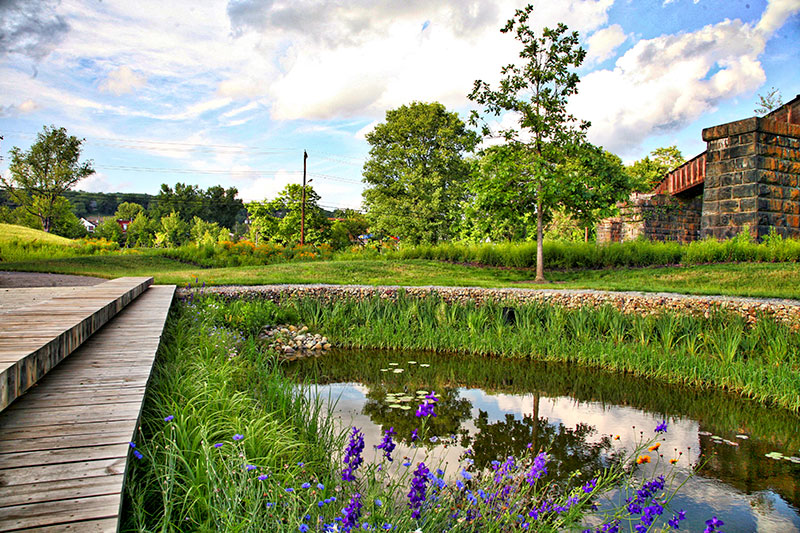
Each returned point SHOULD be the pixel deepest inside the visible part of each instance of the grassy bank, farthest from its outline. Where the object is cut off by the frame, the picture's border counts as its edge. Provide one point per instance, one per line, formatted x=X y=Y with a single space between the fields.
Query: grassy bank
x=229 y=444
x=759 y=362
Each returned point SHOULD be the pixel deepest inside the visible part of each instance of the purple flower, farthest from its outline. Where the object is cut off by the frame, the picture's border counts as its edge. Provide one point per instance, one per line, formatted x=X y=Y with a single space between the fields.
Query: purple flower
x=387 y=445
x=320 y=486
x=712 y=524
x=589 y=486
x=352 y=455
x=305 y=485
x=662 y=427
x=416 y=497
x=168 y=418
x=303 y=528
x=289 y=489
x=352 y=512
x=466 y=475
x=218 y=445
x=238 y=437
x=673 y=522
x=263 y=477
x=133 y=445
x=425 y=409
x=414 y=435
x=538 y=469
x=250 y=468
x=137 y=454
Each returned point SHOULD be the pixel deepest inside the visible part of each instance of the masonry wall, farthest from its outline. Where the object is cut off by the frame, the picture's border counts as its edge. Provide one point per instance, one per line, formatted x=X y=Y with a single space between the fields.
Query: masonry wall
x=752 y=172
x=656 y=217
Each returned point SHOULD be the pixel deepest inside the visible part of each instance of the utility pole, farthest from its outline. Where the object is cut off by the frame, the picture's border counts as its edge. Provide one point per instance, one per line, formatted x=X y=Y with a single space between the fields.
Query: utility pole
x=303 y=205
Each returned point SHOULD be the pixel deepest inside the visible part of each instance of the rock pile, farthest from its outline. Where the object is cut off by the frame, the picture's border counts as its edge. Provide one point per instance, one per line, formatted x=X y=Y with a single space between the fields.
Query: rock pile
x=292 y=342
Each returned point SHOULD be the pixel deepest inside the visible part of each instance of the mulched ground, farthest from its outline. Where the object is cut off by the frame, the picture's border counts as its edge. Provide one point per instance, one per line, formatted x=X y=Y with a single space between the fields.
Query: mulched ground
x=16 y=280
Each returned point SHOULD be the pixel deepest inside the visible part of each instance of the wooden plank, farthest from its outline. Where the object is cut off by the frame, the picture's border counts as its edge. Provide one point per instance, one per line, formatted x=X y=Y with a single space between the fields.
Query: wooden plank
x=107 y=525
x=58 y=512
x=63 y=456
x=64 y=446
x=62 y=489
x=46 y=332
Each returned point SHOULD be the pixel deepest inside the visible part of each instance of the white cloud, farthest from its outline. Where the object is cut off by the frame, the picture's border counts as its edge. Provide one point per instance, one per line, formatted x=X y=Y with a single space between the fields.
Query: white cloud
x=362 y=133
x=27 y=106
x=123 y=80
x=259 y=188
x=360 y=58
x=663 y=84
x=603 y=43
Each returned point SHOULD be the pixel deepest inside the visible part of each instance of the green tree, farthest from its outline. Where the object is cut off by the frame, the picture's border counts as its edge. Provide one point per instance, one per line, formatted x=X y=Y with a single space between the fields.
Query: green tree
x=536 y=94
x=186 y=201
x=651 y=169
x=222 y=206
x=416 y=172
x=348 y=226
x=279 y=220
x=128 y=211
x=110 y=230
x=39 y=176
x=204 y=233
x=768 y=102
x=65 y=223
x=141 y=231
x=174 y=231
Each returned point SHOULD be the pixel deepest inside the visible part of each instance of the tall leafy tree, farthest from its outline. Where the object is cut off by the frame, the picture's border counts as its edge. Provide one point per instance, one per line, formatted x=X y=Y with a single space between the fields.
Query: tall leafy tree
x=222 y=206
x=279 y=220
x=536 y=93
x=41 y=175
x=416 y=172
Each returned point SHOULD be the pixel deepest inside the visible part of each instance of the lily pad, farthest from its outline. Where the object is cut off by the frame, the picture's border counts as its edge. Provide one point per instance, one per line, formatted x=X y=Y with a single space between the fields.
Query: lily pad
x=384 y=369
x=774 y=455
x=405 y=407
x=793 y=459
x=412 y=362
x=405 y=398
x=424 y=365
x=395 y=406
x=422 y=392
x=397 y=370
x=742 y=437
x=393 y=364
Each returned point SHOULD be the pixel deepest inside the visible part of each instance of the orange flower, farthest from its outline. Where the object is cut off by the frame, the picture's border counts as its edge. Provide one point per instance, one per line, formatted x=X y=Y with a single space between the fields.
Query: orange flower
x=673 y=461
x=642 y=459
x=654 y=447
x=616 y=438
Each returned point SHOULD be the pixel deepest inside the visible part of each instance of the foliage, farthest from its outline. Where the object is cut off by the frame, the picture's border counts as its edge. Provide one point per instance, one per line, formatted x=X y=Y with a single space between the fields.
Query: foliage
x=141 y=231
x=110 y=230
x=536 y=93
x=416 y=173
x=128 y=211
x=245 y=253
x=647 y=172
x=65 y=223
x=346 y=229
x=188 y=201
x=278 y=220
x=39 y=176
x=86 y=204
x=768 y=102
x=174 y=231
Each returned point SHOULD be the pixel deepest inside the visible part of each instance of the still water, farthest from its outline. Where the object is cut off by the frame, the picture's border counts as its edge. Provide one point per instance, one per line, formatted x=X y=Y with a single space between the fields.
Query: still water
x=495 y=407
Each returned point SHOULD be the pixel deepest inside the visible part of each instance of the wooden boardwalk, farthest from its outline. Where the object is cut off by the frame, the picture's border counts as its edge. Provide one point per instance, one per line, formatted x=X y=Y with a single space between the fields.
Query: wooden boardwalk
x=36 y=337
x=64 y=444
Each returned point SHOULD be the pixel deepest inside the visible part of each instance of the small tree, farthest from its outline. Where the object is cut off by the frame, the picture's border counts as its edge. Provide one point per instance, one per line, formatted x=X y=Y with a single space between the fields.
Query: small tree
x=768 y=102
x=174 y=231
x=648 y=171
x=141 y=231
x=40 y=175
x=279 y=220
x=536 y=93
x=128 y=211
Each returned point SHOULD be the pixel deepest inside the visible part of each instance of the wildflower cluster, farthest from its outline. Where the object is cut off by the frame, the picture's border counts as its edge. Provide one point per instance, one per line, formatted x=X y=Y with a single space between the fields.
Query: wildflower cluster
x=426 y=408
x=387 y=444
x=416 y=497
x=352 y=456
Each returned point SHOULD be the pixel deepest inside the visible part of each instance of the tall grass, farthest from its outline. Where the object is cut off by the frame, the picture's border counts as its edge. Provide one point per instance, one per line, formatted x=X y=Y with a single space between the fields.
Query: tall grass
x=720 y=351
x=229 y=444
x=638 y=253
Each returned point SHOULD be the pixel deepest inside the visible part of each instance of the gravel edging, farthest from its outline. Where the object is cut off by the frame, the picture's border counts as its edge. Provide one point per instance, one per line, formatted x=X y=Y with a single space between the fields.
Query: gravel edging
x=783 y=310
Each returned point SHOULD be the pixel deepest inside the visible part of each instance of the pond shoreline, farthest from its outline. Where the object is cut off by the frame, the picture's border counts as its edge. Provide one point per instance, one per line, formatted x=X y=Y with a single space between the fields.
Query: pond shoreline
x=783 y=310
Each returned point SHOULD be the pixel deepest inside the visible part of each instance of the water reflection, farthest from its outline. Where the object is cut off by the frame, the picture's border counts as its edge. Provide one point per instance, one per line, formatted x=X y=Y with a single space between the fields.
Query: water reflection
x=497 y=407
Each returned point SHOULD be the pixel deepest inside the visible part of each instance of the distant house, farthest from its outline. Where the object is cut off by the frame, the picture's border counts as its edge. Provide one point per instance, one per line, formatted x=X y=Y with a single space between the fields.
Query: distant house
x=123 y=224
x=89 y=225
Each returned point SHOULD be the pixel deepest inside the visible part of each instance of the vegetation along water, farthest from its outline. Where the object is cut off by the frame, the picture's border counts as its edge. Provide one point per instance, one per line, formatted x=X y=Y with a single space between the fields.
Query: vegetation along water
x=233 y=440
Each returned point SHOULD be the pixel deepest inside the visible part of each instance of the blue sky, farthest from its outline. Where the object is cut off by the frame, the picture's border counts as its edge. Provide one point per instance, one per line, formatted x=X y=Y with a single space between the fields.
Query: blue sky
x=232 y=92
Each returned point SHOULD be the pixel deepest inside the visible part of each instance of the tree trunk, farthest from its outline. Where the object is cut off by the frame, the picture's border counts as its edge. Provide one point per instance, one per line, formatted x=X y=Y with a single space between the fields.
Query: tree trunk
x=539 y=237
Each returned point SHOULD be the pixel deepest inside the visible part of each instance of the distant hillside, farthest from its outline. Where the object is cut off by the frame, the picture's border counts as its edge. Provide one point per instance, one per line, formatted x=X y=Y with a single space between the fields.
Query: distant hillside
x=11 y=232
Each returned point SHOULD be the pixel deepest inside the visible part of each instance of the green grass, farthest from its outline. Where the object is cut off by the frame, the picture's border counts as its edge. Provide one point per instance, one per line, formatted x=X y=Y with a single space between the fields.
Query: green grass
x=12 y=232
x=777 y=280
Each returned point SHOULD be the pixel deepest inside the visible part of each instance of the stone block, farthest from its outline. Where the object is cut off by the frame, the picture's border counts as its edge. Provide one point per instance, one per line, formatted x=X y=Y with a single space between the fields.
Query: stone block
x=747 y=204
x=745 y=191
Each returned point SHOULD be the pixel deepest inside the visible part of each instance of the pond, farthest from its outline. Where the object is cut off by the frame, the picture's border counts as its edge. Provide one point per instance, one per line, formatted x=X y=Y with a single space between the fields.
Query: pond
x=493 y=408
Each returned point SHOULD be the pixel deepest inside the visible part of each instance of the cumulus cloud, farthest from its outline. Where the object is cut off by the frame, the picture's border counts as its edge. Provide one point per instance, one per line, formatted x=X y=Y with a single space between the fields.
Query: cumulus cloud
x=30 y=27
x=123 y=80
x=603 y=43
x=665 y=83
x=359 y=58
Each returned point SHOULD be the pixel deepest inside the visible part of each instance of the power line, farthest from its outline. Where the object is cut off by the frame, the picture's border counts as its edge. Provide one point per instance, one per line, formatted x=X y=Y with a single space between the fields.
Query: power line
x=126 y=168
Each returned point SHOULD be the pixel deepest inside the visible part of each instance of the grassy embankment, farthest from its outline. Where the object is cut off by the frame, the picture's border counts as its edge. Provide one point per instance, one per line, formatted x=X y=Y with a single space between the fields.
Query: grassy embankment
x=29 y=252
x=228 y=444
